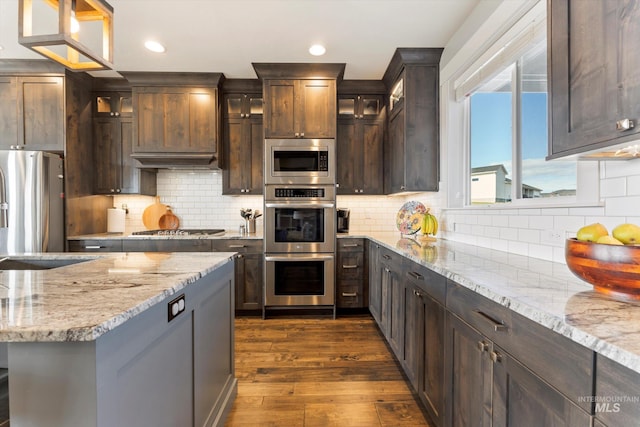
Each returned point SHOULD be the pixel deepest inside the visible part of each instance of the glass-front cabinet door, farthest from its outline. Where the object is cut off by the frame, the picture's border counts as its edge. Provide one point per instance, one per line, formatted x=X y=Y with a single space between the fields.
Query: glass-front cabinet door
x=243 y=105
x=359 y=106
x=113 y=104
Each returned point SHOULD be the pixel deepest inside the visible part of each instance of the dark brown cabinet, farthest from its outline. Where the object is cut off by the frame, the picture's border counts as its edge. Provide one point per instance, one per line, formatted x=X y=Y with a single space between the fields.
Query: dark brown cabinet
x=249 y=267
x=350 y=274
x=424 y=318
x=412 y=151
x=115 y=171
x=300 y=108
x=375 y=282
x=95 y=245
x=166 y=245
x=175 y=118
x=617 y=394
x=594 y=80
x=32 y=113
x=359 y=144
x=503 y=368
x=243 y=143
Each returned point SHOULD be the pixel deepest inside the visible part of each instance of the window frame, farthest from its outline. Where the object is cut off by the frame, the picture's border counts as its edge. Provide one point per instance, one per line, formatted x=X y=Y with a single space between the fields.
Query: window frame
x=456 y=114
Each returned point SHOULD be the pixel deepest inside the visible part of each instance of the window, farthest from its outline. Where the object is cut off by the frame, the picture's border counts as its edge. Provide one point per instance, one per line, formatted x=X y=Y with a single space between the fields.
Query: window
x=508 y=135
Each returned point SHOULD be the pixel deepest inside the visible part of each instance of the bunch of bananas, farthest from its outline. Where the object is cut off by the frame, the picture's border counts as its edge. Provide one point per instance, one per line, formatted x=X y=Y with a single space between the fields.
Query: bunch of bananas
x=429 y=224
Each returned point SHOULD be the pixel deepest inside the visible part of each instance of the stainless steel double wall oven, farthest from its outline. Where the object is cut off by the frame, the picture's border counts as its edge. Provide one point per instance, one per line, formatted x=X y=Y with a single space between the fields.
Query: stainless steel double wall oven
x=299 y=223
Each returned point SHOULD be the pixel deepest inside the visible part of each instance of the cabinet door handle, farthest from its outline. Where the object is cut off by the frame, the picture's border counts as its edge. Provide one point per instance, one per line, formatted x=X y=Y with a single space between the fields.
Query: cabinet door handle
x=483 y=346
x=417 y=293
x=237 y=246
x=386 y=270
x=387 y=257
x=415 y=275
x=496 y=357
x=349 y=266
x=349 y=294
x=497 y=325
x=624 y=124
x=350 y=245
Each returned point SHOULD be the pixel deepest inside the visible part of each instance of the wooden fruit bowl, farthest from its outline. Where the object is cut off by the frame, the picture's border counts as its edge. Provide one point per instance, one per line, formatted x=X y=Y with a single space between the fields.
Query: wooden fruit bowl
x=611 y=269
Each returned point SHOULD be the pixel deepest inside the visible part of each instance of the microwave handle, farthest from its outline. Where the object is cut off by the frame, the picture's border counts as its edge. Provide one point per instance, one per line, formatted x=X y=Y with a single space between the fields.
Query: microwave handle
x=299 y=205
x=300 y=258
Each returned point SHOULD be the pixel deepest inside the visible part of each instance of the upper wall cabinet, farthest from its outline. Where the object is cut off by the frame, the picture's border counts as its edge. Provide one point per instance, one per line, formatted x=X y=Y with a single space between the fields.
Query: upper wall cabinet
x=32 y=113
x=359 y=143
x=242 y=139
x=300 y=99
x=594 y=74
x=412 y=153
x=175 y=118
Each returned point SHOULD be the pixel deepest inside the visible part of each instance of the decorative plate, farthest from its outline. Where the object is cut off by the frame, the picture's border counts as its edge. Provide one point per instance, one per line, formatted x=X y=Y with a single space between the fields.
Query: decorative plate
x=409 y=217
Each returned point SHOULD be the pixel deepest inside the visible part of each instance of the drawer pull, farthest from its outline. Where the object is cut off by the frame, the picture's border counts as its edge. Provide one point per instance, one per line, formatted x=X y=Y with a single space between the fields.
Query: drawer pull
x=349 y=294
x=496 y=357
x=349 y=266
x=415 y=275
x=350 y=245
x=483 y=346
x=94 y=247
x=237 y=246
x=624 y=124
x=497 y=326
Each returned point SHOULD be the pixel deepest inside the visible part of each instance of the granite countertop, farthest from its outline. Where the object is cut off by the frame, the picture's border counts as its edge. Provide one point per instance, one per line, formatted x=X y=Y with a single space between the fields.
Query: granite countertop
x=82 y=301
x=543 y=291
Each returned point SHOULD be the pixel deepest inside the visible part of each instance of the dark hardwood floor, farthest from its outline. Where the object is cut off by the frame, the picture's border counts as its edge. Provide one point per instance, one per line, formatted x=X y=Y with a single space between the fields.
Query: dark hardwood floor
x=318 y=372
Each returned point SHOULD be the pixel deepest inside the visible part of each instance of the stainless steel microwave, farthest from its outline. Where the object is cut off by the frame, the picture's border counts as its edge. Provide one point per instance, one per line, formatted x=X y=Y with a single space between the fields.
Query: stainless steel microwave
x=300 y=161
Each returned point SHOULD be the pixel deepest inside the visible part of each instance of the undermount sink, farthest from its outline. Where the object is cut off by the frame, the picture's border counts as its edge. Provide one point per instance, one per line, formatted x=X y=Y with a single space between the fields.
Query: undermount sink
x=24 y=263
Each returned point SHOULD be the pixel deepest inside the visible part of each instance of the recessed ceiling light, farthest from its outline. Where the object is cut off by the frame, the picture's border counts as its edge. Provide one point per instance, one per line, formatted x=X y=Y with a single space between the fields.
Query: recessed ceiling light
x=154 y=46
x=317 y=50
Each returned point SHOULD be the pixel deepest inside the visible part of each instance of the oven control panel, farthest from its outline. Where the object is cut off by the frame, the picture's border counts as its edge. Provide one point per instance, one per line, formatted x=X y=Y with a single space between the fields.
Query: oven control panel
x=299 y=192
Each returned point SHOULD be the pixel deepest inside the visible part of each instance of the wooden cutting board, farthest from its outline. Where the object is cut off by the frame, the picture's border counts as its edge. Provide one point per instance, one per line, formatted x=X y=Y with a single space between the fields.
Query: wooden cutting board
x=169 y=221
x=152 y=213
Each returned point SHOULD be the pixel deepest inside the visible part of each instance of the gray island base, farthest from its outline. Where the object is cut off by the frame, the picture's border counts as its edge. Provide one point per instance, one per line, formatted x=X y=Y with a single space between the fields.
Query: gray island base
x=152 y=344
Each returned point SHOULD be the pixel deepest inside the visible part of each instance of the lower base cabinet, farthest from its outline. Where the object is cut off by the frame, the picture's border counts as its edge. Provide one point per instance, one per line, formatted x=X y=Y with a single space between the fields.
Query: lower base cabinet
x=249 y=271
x=617 y=400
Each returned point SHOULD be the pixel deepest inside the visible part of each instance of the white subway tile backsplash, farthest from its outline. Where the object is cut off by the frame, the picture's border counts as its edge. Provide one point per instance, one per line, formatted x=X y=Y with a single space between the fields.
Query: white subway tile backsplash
x=622 y=206
x=196 y=197
x=613 y=187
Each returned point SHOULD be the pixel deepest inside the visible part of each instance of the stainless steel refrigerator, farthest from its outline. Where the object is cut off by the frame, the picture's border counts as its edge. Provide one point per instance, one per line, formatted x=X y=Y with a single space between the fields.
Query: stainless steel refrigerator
x=31 y=202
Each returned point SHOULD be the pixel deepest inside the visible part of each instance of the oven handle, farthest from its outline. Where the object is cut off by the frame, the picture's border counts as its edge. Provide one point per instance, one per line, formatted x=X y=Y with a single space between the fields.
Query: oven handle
x=314 y=257
x=300 y=205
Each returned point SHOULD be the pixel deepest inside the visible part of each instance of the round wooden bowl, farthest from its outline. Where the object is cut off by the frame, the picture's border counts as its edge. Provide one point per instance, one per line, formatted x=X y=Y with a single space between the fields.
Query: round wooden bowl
x=611 y=269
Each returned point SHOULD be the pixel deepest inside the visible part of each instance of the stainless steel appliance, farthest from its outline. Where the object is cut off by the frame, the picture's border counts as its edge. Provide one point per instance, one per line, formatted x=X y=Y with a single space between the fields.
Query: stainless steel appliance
x=299 y=218
x=342 y=224
x=33 y=202
x=300 y=161
x=300 y=242
x=295 y=279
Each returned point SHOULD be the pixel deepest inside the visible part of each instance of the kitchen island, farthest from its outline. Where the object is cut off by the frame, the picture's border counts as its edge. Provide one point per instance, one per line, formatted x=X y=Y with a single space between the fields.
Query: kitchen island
x=142 y=339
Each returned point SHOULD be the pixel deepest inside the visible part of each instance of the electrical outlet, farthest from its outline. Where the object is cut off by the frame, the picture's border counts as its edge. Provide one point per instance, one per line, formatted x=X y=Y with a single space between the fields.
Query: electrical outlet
x=552 y=237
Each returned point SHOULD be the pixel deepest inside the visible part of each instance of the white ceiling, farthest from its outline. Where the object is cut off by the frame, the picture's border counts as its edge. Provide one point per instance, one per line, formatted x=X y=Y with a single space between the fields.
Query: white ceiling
x=228 y=35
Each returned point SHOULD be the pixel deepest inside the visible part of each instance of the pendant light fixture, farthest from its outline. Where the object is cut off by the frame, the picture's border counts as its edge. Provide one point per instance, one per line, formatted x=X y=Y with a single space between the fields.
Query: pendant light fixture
x=75 y=33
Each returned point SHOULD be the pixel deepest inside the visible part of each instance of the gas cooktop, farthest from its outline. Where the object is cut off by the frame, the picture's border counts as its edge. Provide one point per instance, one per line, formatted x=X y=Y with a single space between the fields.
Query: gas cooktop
x=181 y=232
